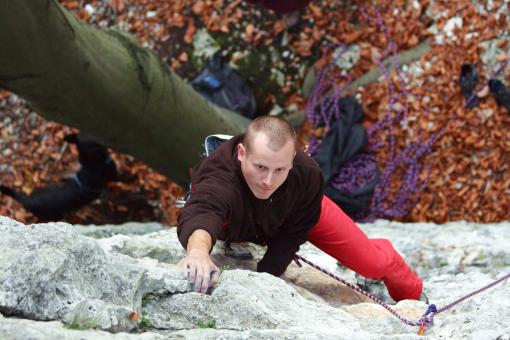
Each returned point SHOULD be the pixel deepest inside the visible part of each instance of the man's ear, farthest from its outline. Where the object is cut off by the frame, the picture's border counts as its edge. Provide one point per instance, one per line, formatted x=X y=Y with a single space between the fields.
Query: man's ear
x=241 y=152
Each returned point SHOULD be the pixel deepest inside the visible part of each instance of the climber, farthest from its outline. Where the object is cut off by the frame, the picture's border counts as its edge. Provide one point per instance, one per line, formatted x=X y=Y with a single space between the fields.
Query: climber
x=260 y=187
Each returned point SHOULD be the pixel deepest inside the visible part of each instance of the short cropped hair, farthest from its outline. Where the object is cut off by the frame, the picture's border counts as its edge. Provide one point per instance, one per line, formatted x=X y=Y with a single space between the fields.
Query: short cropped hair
x=277 y=130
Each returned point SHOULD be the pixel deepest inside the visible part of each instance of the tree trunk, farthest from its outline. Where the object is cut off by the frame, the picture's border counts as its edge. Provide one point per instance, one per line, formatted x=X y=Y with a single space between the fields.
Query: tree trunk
x=106 y=85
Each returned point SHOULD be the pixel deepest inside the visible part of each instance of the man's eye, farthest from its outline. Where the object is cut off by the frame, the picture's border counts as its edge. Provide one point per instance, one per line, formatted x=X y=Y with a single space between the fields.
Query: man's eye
x=260 y=167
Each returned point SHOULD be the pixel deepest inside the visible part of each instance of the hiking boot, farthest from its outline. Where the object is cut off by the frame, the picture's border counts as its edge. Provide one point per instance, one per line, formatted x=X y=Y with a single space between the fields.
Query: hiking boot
x=468 y=81
x=238 y=251
x=374 y=287
x=500 y=93
x=423 y=297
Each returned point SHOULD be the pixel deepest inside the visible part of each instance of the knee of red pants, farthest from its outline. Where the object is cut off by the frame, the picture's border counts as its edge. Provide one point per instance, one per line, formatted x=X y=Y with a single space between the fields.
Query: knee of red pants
x=337 y=235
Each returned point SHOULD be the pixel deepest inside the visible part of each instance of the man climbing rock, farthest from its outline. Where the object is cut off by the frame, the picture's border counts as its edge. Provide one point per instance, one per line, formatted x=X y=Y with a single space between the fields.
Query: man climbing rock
x=260 y=187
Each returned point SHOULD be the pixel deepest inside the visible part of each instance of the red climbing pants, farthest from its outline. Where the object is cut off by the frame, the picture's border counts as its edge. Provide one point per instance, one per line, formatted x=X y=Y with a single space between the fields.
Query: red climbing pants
x=337 y=235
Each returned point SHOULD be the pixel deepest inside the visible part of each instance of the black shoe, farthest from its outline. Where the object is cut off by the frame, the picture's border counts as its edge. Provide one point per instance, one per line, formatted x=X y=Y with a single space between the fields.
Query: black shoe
x=500 y=93
x=238 y=253
x=423 y=297
x=374 y=287
x=468 y=81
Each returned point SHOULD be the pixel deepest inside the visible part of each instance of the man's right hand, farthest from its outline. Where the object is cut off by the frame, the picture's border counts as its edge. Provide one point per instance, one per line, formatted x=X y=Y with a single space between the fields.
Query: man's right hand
x=197 y=266
x=199 y=269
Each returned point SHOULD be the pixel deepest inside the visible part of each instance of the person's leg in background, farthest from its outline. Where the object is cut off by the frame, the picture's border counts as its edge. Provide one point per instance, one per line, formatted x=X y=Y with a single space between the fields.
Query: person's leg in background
x=337 y=235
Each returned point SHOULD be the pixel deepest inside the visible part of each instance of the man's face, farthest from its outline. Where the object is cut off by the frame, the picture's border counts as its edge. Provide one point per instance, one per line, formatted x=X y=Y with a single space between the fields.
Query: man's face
x=264 y=169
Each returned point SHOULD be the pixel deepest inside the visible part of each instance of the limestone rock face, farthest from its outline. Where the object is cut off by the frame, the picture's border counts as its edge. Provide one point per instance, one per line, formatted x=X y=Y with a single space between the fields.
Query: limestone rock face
x=55 y=282
x=50 y=272
x=245 y=300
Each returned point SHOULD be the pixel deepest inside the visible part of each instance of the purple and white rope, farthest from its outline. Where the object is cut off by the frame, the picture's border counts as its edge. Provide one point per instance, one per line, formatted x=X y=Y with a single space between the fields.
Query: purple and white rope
x=427 y=317
x=409 y=162
x=359 y=290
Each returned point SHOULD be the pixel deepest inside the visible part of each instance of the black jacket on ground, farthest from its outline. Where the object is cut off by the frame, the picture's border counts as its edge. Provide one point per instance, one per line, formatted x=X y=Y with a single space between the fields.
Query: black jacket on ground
x=342 y=142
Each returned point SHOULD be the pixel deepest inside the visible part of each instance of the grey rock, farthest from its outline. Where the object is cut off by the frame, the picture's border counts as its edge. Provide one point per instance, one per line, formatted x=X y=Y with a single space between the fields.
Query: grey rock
x=162 y=246
x=491 y=49
x=130 y=228
x=204 y=45
x=247 y=300
x=51 y=272
x=433 y=14
x=23 y=329
x=346 y=58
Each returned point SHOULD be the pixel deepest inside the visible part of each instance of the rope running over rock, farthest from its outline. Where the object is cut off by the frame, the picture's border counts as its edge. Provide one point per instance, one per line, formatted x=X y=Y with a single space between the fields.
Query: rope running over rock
x=427 y=317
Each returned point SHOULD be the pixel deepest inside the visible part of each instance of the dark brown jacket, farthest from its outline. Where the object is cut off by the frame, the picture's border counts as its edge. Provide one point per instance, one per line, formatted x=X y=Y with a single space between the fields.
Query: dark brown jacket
x=222 y=204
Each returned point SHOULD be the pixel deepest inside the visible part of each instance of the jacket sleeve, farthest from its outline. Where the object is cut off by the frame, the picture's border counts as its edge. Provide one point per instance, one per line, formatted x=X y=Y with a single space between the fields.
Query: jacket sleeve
x=285 y=244
x=279 y=254
x=208 y=208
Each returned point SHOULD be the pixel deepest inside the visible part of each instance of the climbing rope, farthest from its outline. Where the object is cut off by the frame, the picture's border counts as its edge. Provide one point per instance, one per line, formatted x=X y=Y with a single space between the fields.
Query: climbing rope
x=322 y=109
x=426 y=319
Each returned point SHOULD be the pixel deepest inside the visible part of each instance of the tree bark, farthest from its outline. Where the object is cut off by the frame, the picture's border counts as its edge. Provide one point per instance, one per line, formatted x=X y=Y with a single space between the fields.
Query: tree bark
x=106 y=85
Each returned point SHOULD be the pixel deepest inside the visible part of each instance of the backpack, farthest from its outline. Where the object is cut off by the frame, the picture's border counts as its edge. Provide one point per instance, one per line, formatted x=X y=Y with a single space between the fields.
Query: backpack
x=211 y=143
x=221 y=85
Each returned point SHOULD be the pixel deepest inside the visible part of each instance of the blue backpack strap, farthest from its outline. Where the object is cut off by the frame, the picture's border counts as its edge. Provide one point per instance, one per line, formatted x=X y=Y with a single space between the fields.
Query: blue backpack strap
x=211 y=142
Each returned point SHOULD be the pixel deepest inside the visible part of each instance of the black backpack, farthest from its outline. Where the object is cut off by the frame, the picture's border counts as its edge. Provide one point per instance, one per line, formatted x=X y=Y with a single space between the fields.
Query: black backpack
x=211 y=143
x=220 y=84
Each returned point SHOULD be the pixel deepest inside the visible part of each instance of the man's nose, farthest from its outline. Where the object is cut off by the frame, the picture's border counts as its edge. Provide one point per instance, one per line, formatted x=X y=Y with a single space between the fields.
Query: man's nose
x=268 y=180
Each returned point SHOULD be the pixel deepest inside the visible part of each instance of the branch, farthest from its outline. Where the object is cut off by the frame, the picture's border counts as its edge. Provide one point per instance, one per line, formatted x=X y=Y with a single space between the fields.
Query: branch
x=107 y=85
x=405 y=57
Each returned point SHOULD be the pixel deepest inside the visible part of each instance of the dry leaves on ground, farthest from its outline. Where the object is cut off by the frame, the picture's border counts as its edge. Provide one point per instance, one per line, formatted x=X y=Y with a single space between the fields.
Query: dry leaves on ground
x=469 y=176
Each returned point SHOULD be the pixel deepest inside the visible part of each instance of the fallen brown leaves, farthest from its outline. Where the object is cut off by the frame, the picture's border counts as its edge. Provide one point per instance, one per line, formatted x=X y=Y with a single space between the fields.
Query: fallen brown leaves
x=469 y=176
x=35 y=155
x=190 y=32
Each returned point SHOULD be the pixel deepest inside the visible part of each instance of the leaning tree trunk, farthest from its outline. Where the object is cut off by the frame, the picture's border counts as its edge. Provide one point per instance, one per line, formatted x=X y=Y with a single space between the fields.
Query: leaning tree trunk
x=106 y=85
